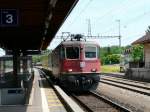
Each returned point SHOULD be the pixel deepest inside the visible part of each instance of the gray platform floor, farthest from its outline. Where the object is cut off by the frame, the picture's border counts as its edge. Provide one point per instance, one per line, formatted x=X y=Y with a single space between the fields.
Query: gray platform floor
x=36 y=103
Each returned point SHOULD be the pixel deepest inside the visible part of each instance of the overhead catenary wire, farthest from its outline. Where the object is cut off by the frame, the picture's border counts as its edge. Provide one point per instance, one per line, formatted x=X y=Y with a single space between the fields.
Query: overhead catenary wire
x=113 y=10
x=119 y=10
x=79 y=14
x=110 y=12
x=129 y=22
x=137 y=18
x=133 y=20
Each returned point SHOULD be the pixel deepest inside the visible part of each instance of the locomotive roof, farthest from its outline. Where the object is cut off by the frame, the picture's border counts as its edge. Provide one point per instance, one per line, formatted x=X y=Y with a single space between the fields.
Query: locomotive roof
x=78 y=42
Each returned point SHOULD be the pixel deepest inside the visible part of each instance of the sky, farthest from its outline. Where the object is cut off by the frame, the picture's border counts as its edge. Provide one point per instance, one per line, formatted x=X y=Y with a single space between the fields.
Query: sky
x=134 y=16
x=2 y=52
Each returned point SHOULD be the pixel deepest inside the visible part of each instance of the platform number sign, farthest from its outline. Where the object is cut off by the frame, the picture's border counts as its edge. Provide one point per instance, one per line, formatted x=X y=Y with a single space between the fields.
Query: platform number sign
x=9 y=17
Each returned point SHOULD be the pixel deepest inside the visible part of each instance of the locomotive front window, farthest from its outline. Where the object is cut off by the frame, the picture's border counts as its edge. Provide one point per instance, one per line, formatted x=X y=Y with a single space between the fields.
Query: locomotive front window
x=90 y=52
x=72 y=52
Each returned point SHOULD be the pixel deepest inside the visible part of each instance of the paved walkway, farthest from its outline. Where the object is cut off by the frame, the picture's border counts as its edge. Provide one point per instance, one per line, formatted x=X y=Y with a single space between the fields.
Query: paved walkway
x=42 y=99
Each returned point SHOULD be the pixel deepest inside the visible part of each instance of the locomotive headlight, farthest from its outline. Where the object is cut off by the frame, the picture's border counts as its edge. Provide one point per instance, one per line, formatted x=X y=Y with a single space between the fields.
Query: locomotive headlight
x=93 y=70
x=69 y=70
x=82 y=64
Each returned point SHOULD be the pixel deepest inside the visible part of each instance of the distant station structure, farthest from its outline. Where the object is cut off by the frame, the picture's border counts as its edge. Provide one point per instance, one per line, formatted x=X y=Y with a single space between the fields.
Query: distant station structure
x=26 y=28
x=141 y=70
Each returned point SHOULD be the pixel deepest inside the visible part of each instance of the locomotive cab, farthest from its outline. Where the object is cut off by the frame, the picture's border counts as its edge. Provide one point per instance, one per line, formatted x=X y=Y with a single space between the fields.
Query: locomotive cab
x=80 y=66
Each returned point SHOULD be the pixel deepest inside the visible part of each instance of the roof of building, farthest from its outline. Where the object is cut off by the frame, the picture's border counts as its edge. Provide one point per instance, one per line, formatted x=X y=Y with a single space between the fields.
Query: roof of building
x=143 y=40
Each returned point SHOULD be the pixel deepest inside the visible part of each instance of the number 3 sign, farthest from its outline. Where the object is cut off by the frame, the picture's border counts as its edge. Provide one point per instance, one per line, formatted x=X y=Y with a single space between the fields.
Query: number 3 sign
x=9 y=17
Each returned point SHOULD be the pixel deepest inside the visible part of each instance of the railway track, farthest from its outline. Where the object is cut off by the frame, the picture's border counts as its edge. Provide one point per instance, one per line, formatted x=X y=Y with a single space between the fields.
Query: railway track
x=90 y=102
x=127 y=84
x=114 y=75
x=122 y=77
x=94 y=102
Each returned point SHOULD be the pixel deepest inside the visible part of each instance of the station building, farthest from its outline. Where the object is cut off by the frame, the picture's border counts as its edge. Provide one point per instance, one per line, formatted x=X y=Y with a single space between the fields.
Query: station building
x=141 y=71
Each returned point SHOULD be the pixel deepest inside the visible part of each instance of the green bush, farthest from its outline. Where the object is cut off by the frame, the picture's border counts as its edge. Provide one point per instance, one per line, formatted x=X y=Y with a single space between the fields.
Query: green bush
x=111 y=59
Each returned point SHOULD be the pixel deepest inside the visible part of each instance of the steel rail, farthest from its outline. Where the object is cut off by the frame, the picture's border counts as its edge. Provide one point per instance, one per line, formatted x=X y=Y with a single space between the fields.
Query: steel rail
x=127 y=88
x=81 y=103
x=114 y=104
x=134 y=85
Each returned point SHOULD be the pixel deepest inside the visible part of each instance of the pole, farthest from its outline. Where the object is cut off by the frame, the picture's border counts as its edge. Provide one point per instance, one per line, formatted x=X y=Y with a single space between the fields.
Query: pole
x=89 y=28
x=119 y=33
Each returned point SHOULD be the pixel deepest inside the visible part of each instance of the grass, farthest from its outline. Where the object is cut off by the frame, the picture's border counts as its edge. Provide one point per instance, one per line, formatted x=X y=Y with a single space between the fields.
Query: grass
x=110 y=68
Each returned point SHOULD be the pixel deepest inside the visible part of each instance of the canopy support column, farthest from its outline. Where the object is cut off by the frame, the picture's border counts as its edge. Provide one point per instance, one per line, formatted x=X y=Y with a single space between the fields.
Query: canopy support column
x=16 y=65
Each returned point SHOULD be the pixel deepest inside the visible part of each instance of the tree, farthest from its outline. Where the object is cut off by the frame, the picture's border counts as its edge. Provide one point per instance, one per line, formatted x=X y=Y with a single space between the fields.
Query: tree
x=41 y=57
x=109 y=55
x=114 y=54
x=112 y=59
x=137 y=53
x=36 y=58
x=148 y=30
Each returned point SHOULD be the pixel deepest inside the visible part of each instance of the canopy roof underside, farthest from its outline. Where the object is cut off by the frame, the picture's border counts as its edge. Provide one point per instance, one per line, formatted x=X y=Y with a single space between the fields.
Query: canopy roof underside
x=31 y=24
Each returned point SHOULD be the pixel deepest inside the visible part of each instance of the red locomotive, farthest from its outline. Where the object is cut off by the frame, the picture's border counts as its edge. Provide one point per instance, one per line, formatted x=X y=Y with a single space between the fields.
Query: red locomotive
x=75 y=63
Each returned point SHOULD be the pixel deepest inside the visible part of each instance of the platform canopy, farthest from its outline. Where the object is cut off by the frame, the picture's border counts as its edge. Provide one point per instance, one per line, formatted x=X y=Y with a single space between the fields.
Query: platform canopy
x=31 y=24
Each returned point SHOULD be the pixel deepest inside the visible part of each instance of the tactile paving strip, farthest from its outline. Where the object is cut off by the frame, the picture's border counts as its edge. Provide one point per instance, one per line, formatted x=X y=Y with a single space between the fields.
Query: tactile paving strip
x=54 y=104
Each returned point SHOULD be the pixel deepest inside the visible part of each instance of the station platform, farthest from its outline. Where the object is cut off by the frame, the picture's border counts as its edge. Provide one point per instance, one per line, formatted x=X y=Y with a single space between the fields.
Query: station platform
x=41 y=99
